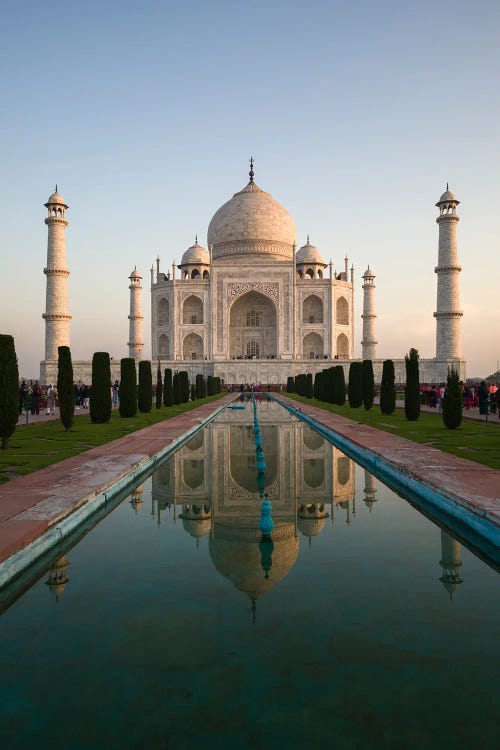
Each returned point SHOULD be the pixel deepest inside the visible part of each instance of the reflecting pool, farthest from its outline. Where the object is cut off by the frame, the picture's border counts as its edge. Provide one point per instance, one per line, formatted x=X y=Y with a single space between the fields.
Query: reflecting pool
x=172 y=625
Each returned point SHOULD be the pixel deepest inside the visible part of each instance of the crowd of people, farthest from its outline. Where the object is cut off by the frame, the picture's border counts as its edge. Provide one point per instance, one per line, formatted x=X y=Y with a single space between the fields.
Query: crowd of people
x=480 y=396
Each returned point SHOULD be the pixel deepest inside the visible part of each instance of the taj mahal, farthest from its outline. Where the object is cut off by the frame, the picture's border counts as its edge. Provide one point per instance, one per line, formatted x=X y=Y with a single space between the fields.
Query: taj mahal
x=252 y=308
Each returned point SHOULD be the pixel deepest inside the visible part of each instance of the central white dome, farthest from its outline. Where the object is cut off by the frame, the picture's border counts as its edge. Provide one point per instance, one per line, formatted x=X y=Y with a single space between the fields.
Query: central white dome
x=252 y=222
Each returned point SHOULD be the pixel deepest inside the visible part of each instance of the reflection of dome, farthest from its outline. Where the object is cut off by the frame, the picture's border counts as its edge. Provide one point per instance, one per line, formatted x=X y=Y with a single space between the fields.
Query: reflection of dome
x=309 y=254
x=234 y=549
x=196 y=254
x=311 y=526
x=196 y=528
x=252 y=222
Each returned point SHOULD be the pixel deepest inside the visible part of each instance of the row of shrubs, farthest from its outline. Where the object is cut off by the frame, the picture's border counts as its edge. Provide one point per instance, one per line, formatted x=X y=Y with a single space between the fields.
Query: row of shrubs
x=329 y=386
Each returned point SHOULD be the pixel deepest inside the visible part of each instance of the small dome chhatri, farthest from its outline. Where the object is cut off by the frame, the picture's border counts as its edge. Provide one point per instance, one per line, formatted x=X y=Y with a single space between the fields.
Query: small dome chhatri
x=369 y=273
x=309 y=254
x=56 y=199
x=196 y=254
x=448 y=197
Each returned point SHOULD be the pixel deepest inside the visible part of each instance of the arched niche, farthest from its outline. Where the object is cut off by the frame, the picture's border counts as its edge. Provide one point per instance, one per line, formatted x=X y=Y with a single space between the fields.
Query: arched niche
x=192 y=310
x=195 y=274
x=312 y=309
x=342 y=346
x=163 y=312
x=163 y=346
x=314 y=472
x=342 y=311
x=312 y=346
x=244 y=335
x=196 y=442
x=193 y=472
x=343 y=470
x=193 y=347
x=312 y=439
x=206 y=274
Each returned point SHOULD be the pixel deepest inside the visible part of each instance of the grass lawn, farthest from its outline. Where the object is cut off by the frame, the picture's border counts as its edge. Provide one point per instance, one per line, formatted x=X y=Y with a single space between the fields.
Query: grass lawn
x=477 y=441
x=36 y=446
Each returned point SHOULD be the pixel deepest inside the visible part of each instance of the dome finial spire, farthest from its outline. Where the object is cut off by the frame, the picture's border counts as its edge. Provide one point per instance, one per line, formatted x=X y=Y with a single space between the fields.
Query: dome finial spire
x=251 y=173
x=308 y=239
x=447 y=188
x=196 y=239
x=56 y=187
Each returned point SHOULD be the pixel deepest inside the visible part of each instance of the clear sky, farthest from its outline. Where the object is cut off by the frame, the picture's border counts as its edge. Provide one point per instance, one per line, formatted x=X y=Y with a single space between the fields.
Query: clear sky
x=145 y=115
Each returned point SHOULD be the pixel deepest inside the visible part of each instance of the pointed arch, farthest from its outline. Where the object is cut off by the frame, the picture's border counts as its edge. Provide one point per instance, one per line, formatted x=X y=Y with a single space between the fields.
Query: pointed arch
x=342 y=311
x=312 y=346
x=163 y=346
x=193 y=347
x=312 y=309
x=192 y=310
x=342 y=346
x=163 y=310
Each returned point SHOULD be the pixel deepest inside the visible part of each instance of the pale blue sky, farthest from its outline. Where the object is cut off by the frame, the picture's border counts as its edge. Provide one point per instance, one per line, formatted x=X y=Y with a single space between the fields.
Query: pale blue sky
x=145 y=115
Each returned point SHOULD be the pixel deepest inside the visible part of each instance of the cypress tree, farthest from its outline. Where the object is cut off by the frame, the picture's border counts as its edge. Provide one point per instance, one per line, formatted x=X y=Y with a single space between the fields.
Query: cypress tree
x=199 y=386
x=176 y=388
x=203 y=387
x=184 y=386
x=317 y=379
x=100 y=394
x=329 y=395
x=193 y=392
x=128 y=388
x=290 y=384
x=159 y=387
x=355 y=393
x=387 y=388
x=309 y=385
x=412 y=387
x=339 y=385
x=65 y=387
x=168 y=392
x=452 y=401
x=367 y=384
x=145 y=387
x=9 y=388
x=210 y=386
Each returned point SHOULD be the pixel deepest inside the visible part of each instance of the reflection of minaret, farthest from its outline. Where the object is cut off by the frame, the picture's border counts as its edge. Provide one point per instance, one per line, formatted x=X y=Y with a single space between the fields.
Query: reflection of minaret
x=370 y=490
x=450 y=562
x=311 y=519
x=57 y=577
x=136 y=499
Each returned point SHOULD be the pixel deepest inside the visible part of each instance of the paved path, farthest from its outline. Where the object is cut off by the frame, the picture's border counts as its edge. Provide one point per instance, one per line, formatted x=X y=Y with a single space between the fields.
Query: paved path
x=30 y=505
x=471 y=485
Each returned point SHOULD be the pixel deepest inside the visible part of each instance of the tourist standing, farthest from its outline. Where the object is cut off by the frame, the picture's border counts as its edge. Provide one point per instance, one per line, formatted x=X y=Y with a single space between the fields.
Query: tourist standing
x=36 y=399
x=483 y=395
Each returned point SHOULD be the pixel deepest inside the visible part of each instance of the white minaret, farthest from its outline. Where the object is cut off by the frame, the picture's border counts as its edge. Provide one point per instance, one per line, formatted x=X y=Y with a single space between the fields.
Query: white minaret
x=135 y=342
x=56 y=315
x=369 y=343
x=448 y=312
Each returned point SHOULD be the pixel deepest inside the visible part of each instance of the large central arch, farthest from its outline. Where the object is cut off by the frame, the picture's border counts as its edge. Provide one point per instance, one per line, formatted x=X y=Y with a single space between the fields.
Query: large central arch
x=253 y=327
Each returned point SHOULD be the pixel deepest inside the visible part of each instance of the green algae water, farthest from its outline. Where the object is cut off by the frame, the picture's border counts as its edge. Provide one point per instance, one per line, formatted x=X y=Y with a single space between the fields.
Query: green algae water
x=172 y=625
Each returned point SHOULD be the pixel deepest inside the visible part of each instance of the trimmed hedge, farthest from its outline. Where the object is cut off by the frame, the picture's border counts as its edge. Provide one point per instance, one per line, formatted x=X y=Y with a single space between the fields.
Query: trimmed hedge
x=9 y=388
x=387 y=388
x=412 y=387
x=145 y=387
x=452 y=401
x=339 y=389
x=100 y=394
x=168 y=391
x=159 y=387
x=368 y=384
x=176 y=388
x=290 y=384
x=128 y=388
x=355 y=393
x=65 y=387
x=184 y=386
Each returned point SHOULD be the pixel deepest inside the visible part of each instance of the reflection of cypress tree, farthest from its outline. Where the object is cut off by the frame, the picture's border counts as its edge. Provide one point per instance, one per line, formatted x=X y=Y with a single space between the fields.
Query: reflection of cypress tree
x=168 y=393
x=387 y=388
x=452 y=401
x=9 y=388
x=368 y=384
x=128 y=388
x=159 y=387
x=145 y=387
x=176 y=387
x=100 y=394
x=412 y=387
x=65 y=387
x=355 y=393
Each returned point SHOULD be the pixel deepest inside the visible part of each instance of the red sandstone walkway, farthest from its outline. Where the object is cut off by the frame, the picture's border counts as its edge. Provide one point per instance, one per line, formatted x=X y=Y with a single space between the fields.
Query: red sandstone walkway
x=469 y=484
x=30 y=505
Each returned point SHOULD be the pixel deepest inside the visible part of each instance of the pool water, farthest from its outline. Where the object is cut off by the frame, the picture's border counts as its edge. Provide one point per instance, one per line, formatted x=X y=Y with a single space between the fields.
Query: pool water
x=171 y=625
